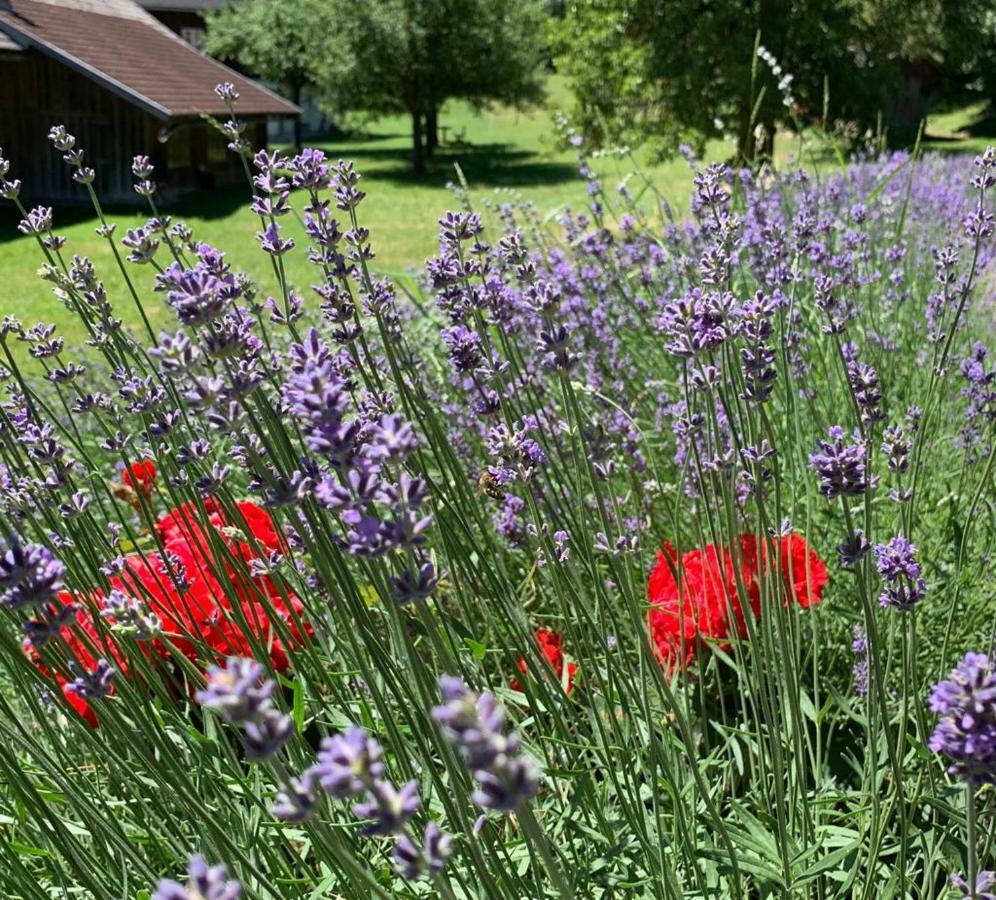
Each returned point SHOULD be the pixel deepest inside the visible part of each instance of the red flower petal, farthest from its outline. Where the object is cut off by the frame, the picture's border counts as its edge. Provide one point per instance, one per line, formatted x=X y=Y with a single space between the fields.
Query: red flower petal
x=551 y=645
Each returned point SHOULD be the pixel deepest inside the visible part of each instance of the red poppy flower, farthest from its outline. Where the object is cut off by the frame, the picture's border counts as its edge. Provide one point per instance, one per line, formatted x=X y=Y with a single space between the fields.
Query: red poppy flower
x=708 y=605
x=552 y=647
x=81 y=639
x=700 y=608
x=140 y=476
x=223 y=610
x=804 y=574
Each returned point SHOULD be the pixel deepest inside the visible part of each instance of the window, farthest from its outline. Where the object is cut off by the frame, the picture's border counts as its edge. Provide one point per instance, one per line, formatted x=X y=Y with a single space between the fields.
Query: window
x=193 y=35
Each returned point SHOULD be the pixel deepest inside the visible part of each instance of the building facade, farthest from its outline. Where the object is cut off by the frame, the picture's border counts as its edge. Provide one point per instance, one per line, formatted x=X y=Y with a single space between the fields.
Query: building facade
x=124 y=84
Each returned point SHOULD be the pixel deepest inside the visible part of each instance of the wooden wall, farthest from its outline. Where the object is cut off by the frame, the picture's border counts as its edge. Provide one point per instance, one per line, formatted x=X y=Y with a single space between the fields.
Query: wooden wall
x=37 y=92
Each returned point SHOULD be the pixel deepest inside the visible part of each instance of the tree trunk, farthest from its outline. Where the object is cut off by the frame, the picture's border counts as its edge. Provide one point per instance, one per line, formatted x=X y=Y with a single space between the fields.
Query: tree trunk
x=772 y=23
x=431 y=129
x=298 y=124
x=418 y=149
x=745 y=135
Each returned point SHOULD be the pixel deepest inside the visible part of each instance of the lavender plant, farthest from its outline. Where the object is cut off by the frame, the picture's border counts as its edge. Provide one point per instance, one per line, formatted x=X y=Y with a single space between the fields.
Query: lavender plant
x=680 y=519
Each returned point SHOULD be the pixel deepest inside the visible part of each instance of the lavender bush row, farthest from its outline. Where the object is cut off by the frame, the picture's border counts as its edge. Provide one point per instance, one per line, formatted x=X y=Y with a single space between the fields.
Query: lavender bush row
x=619 y=556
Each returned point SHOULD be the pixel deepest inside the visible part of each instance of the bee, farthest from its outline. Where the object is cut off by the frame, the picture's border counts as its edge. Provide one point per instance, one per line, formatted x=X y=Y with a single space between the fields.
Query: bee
x=488 y=484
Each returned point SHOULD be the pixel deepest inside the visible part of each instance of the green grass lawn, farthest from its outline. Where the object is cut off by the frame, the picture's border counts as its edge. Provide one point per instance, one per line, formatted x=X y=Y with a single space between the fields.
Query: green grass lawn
x=502 y=153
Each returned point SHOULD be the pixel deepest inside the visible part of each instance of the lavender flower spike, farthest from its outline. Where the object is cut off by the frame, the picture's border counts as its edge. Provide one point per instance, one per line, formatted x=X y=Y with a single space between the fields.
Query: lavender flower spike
x=387 y=807
x=93 y=685
x=841 y=466
x=29 y=575
x=966 y=732
x=903 y=587
x=236 y=693
x=475 y=725
x=412 y=861
x=984 y=888
x=204 y=883
x=348 y=762
x=859 y=647
x=234 y=690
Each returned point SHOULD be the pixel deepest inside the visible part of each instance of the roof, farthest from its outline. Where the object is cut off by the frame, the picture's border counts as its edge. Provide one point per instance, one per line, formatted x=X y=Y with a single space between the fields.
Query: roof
x=181 y=5
x=122 y=47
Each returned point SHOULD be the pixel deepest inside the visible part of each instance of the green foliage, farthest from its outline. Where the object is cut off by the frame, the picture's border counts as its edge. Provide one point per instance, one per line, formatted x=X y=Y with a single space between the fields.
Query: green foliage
x=274 y=40
x=754 y=774
x=393 y=56
x=411 y=56
x=684 y=71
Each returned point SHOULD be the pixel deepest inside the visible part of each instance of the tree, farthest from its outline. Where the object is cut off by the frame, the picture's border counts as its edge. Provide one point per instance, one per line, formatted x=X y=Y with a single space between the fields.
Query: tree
x=411 y=56
x=684 y=70
x=275 y=40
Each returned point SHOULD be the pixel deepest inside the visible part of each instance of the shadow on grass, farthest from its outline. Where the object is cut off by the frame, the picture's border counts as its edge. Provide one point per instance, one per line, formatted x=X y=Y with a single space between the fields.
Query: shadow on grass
x=484 y=165
x=209 y=204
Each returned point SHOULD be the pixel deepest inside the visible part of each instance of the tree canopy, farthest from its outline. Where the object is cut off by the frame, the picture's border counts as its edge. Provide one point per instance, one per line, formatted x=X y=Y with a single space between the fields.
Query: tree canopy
x=411 y=56
x=274 y=41
x=392 y=56
x=687 y=70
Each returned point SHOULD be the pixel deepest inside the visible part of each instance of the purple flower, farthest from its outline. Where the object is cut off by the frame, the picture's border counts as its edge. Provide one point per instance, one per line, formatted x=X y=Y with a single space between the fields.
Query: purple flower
x=234 y=690
x=413 y=586
x=199 y=295
x=841 y=466
x=9 y=190
x=141 y=167
x=204 y=883
x=863 y=380
x=980 y=412
x=859 y=647
x=38 y=221
x=553 y=345
x=896 y=446
x=387 y=808
x=142 y=244
x=311 y=170
x=903 y=587
x=697 y=322
x=475 y=724
x=29 y=575
x=966 y=731
x=265 y=734
x=757 y=357
x=130 y=616
x=271 y=241
x=61 y=139
x=298 y=799
x=348 y=763
x=984 y=889
x=412 y=861
x=457 y=227
x=236 y=693
x=464 y=348
x=91 y=685
x=226 y=93
x=48 y=624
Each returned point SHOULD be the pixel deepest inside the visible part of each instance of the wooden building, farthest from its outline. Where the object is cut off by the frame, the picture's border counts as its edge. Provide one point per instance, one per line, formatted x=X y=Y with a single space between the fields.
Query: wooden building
x=124 y=84
x=185 y=17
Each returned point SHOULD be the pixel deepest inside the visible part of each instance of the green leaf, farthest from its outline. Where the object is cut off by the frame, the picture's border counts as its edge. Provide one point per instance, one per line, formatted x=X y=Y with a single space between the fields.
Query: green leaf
x=476 y=648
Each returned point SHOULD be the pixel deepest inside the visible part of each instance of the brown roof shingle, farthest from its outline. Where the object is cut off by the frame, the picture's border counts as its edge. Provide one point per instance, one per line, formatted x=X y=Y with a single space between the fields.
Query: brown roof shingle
x=129 y=52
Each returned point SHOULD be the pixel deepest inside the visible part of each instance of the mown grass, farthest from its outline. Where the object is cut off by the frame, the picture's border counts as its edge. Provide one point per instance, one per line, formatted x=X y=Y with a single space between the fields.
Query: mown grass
x=501 y=152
